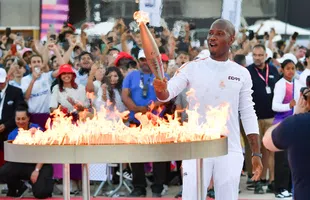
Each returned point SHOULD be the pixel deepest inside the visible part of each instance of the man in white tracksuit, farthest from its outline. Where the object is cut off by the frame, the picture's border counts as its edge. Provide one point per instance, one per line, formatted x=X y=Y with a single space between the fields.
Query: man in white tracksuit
x=218 y=80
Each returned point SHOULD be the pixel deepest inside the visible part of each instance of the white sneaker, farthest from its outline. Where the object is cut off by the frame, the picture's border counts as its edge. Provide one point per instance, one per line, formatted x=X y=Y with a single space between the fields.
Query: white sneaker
x=284 y=195
x=165 y=190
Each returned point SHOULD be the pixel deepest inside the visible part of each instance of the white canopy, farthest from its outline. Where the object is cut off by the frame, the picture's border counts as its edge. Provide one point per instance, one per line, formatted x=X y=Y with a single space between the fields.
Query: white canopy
x=279 y=26
x=98 y=29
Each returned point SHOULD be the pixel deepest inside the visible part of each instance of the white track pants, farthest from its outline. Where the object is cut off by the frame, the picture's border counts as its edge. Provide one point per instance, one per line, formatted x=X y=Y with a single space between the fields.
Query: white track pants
x=226 y=172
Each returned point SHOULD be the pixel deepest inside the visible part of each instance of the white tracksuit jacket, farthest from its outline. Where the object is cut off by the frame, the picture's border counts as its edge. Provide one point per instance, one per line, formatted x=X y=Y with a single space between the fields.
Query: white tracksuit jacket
x=215 y=83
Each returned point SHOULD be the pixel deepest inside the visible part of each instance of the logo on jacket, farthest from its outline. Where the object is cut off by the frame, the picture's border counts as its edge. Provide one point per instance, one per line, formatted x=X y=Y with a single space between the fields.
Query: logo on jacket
x=233 y=78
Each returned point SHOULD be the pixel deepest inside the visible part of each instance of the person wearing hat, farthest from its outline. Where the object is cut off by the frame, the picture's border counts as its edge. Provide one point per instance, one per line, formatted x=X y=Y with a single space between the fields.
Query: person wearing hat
x=137 y=94
x=69 y=95
x=70 y=98
x=125 y=62
x=10 y=97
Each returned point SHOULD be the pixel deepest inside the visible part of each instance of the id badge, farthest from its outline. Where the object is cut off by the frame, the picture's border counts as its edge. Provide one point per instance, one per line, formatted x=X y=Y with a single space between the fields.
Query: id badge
x=268 y=90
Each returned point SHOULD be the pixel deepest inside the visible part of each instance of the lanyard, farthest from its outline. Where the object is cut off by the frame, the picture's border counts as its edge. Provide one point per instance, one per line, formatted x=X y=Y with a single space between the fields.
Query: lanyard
x=142 y=80
x=267 y=74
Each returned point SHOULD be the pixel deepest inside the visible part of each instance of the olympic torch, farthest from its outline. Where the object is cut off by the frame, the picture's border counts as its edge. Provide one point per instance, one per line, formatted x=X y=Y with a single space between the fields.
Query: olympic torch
x=150 y=48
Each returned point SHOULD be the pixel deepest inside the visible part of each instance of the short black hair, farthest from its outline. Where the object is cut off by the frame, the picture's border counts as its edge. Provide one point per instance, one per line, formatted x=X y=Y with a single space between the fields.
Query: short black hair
x=260 y=46
x=113 y=49
x=285 y=62
x=23 y=107
x=85 y=53
x=35 y=55
x=240 y=59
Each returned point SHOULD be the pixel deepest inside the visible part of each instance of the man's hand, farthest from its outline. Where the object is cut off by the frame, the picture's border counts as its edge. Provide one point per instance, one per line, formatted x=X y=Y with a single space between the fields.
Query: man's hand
x=160 y=85
x=301 y=106
x=2 y=128
x=257 y=167
x=35 y=75
x=34 y=176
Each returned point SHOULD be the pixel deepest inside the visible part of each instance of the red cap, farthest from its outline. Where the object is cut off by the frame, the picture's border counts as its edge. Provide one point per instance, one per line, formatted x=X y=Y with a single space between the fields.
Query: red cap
x=122 y=55
x=66 y=68
x=164 y=57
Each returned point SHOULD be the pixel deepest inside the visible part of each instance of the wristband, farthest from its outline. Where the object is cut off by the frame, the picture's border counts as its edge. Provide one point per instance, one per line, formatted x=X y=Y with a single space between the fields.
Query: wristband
x=257 y=154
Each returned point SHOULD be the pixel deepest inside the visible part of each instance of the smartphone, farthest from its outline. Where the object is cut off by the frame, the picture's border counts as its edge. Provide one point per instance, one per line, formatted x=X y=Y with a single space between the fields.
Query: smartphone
x=8 y=31
x=37 y=70
x=295 y=35
x=251 y=35
x=53 y=37
x=110 y=39
x=13 y=49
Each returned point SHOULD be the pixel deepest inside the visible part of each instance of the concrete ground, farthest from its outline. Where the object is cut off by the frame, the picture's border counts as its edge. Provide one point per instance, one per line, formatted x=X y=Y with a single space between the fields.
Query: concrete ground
x=173 y=190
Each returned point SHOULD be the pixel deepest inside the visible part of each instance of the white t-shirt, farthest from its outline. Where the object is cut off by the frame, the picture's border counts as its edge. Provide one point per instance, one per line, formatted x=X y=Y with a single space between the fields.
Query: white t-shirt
x=119 y=105
x=40 y=93
x=97 y=87
x=216 y=83
x=303 y=77
x=81 y=79
x=280 y=91
x=79 y=95
x=15 y=84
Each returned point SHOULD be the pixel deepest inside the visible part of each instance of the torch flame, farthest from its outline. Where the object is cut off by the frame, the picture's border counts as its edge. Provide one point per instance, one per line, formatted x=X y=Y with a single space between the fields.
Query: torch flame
x=107 y=127
x=141 y=17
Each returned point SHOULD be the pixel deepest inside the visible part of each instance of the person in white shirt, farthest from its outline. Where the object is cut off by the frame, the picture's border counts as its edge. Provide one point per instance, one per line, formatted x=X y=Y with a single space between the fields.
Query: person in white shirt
x=110 y=93
x=303 y=76
x=218 y=80
x=86 y=61
x=67 y=93
x=36 y=88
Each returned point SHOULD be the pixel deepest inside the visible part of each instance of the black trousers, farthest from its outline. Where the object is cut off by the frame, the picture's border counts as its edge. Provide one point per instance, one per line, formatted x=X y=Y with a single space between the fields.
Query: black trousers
x=159 y=173
x=282 y=172
x=13 y=173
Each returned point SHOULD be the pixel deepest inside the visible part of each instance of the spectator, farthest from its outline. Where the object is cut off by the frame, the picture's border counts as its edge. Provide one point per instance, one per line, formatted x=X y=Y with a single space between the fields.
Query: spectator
x=14 y=174
x=86 y=61
x=138 y=92
x=10 y=97
x=18 y=71
x=303 y=76
x=110 y=93
x=286 y=94
x=36 y=88
x=70 y=96
x=264 y=76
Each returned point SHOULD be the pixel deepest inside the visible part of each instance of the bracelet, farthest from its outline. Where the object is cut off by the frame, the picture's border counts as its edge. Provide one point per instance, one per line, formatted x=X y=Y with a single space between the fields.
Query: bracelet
x=37 y=170
x=257 y=154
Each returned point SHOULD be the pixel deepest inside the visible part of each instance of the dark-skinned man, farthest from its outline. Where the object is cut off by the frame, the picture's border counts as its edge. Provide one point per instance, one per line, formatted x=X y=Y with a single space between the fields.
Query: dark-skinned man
x=217 y=80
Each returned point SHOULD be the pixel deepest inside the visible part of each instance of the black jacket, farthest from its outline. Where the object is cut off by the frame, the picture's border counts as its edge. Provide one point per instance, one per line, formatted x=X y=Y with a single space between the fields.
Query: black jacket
x=13 y=96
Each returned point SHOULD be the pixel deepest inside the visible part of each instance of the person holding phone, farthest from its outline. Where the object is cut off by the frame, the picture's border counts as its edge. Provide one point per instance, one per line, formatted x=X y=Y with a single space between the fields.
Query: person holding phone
x=36 y=88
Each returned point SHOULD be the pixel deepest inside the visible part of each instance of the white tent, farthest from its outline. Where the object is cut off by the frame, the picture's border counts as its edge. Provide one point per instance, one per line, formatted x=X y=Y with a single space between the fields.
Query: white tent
x=98 y=29
x=280 y=27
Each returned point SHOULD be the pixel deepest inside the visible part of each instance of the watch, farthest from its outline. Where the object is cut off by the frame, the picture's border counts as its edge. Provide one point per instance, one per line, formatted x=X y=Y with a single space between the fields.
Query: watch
x=257 y=154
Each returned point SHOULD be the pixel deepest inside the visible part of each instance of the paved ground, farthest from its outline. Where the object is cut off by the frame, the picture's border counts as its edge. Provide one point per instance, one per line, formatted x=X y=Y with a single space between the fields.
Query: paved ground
x=244 y=195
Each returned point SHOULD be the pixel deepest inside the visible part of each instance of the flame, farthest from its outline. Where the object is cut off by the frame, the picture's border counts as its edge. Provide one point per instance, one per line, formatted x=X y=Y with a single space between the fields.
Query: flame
x=107 y=127
x=141 y=17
